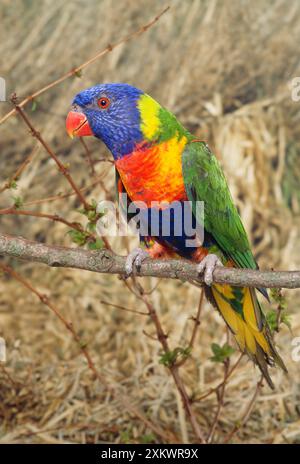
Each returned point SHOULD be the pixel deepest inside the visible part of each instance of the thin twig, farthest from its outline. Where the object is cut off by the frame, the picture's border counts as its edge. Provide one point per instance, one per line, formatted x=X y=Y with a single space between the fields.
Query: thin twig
x=63 y=169
x=212 y=390
x=247 y=412
x=7 y=185
x=52 y=217
x=61 y=196
x=280 y=309
x=197 y=320
x=122 y=308
x=88 y=156
x=195 y=329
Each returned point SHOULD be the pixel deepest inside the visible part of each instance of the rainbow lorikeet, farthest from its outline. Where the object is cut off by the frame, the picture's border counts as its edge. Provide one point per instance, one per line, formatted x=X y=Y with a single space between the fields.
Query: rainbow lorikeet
x=158 y=160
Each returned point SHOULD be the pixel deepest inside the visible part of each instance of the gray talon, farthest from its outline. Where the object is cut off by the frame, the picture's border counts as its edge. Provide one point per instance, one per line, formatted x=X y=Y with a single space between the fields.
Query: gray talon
x=207 y=266
x=135 y=260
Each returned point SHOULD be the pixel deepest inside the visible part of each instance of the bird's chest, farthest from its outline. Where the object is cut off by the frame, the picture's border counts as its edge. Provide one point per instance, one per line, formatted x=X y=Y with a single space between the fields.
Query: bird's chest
x=154 y=174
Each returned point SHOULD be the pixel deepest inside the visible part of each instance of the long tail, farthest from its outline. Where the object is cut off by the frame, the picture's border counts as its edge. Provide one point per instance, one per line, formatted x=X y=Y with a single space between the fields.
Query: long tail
x=243 y=315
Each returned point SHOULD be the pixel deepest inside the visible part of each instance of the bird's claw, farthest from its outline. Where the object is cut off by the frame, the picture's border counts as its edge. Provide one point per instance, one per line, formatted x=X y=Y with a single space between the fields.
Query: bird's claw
x=134 y=260
x=207 y=267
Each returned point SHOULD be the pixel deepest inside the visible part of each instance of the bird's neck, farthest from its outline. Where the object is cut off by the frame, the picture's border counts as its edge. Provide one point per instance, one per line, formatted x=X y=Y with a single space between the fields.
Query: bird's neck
x=156 y=126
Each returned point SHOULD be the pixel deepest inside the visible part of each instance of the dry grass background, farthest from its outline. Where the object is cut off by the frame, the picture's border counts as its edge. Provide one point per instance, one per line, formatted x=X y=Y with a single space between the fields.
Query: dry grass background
x=223 y=67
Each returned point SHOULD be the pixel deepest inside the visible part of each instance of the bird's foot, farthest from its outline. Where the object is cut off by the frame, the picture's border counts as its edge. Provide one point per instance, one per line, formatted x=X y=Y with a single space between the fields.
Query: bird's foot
x=207 y=267
x=134 y=260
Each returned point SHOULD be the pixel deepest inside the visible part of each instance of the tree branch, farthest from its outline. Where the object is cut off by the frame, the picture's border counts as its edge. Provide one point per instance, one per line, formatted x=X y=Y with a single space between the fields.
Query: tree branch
x=106 y=262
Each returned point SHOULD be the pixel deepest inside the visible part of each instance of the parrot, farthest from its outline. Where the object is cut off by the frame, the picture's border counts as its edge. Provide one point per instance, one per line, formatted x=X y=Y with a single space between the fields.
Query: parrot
x=159 y=162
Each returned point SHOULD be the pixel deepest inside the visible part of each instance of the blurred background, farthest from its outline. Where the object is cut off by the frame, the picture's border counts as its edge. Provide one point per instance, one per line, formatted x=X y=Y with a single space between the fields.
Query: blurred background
x=225 y=69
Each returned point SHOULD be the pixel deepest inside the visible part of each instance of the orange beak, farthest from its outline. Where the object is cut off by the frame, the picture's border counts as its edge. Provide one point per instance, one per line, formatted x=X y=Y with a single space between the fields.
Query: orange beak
x=77 y=125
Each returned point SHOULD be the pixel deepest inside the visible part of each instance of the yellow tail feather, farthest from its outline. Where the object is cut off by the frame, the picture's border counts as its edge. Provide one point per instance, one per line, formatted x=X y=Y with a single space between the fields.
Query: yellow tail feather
x=242 y=313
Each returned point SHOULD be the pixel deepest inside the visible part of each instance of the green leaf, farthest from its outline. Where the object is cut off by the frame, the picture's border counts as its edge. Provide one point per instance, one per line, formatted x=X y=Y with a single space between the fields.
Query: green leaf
x=13 y=185
x=83 y=211
x=278 y=297
x=147 y=438
x=97 y=245
x=271 y=317
x=91 y=215
x=78 y=237
x=286 y=320
x=34 y=105
x=91 y=227
x=125 y=436
x=18 y=202
x=83 y=344
x=169 y=358
x=94 y=204
x=78 y=73
x=221 y=353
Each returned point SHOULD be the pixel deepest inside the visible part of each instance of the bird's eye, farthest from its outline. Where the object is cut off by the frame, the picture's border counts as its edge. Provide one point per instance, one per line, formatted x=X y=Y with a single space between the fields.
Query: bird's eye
x=103 y=103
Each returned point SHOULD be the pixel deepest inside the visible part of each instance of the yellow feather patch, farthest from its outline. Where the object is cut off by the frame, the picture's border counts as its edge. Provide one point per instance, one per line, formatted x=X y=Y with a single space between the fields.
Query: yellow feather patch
x=246 y=331
x=250 y=317
x=248 y=309
x=225 y=290
x=261 y=340
x=230 y=316
x=169 y=159
x=250 y=340
x=241 y=332
x=149 y=114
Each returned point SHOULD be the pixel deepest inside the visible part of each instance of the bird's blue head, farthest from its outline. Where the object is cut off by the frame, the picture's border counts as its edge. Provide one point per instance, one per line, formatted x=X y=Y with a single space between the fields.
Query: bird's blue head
x=110 y=112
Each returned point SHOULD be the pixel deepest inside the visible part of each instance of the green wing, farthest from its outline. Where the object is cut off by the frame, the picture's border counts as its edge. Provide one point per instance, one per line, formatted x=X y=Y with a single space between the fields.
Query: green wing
x=205 y=181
